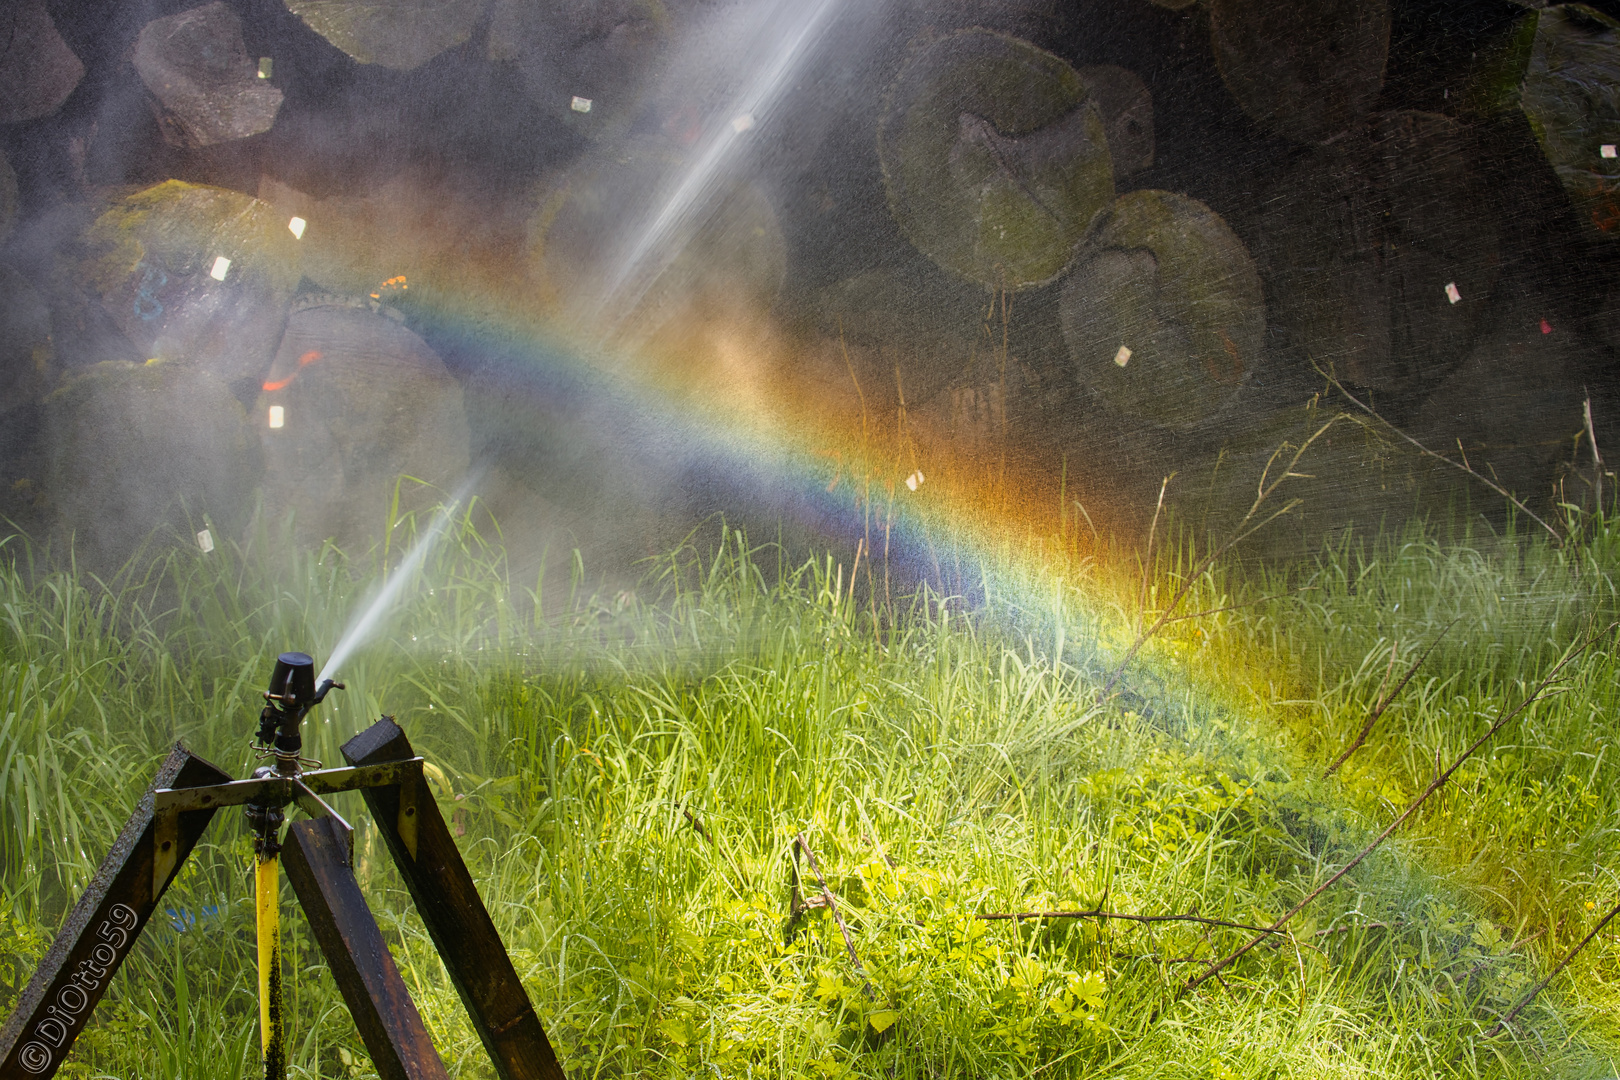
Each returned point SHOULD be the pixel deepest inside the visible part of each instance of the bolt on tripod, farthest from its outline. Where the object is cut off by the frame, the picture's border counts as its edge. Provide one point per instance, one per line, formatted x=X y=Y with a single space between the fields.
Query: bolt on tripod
x=318 y=854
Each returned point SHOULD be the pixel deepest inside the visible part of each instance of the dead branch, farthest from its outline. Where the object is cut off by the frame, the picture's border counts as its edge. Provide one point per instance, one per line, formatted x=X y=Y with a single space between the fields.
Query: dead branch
x=801 y=844
x=1597 y=458
x=1020 y=916
x=1384 y=703
x=1435 y=785
x=696 y=824
x=1461 y=466
x=1507 y=1018
x=1347 y=927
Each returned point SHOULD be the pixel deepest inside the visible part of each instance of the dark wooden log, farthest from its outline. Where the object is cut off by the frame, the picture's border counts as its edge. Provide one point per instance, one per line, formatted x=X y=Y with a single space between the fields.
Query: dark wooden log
x=208 y=89
x=1380 y=255
x=1514 y=406
x=1163 y=312
x=400 y=34
x=37 y=69
x=1303 y=69
x=1127 y=112
x=995 y=157
x=135 y=449
x=1569 y=96
x=196 y=273
x=455 y=916
x=361 y=401
x=102 y=928
x=317 y=860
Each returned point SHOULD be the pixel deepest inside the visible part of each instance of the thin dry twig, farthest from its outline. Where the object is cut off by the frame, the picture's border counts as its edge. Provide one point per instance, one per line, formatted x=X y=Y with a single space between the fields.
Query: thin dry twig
x=1147 y=557
x=1507 y=1018
x=1019 y=916
x=1462 y=466
x=696 y=824
x=1385 y=702
x=1244 y=530
x=1435 y=785
x=1345 y=928
x=801 y=844
x=1597 y=458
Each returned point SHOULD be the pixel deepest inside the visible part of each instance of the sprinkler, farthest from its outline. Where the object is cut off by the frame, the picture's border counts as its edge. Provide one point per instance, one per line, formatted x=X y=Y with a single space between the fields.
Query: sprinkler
x=291 y=696
x=317 y=854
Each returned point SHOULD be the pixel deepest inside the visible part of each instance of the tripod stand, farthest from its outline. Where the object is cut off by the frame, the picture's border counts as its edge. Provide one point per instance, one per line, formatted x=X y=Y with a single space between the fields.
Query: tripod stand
x=318 y=855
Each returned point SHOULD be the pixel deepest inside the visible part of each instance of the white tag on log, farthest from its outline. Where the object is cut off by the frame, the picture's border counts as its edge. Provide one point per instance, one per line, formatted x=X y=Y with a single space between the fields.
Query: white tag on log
x=1453 y=293
x=580 y=104
x=1122 y=357
x=222 y=266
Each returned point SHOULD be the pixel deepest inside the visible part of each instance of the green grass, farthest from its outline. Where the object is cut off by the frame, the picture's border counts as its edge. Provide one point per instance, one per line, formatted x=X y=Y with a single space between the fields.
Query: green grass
x=940 y=764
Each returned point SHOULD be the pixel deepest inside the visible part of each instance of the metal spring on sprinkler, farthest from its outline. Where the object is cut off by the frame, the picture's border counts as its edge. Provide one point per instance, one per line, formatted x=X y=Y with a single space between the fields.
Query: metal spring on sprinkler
x=261 y=751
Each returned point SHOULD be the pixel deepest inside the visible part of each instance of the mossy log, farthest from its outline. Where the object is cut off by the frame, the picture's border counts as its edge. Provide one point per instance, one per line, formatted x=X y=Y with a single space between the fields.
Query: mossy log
x=363 y=401
x=37 y=69
x=398 y=34
x=1571 y=94
x=995 y=157
x=1380 y=255
x=1303 y=69
x=196 y=65
x=730 y=255
x=137 y=449
x=195 y=273
x=1163 y=312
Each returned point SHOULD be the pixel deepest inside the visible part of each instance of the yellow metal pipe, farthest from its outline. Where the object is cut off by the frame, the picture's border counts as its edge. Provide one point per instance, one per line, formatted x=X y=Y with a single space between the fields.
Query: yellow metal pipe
x=267 y=908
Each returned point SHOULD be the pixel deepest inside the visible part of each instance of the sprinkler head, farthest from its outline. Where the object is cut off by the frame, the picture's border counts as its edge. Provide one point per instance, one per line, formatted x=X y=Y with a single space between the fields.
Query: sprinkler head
x=292 y=693
x=293 y=680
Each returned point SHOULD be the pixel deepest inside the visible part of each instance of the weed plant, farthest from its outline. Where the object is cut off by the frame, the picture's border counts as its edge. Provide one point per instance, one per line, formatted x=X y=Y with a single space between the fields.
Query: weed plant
x=627 y=775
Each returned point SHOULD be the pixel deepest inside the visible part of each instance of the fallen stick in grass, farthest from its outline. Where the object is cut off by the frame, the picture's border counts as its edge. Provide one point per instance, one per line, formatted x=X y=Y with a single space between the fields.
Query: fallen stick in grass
x=1435 y=785
x=800 y=843
x=1507 y=1018
x=697 y=825
x=1020 y=916
x=1378 y=710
